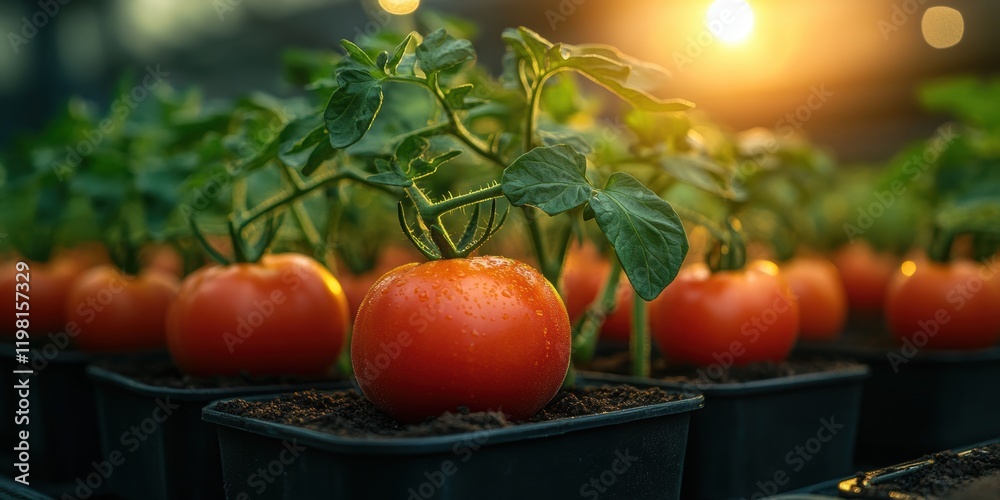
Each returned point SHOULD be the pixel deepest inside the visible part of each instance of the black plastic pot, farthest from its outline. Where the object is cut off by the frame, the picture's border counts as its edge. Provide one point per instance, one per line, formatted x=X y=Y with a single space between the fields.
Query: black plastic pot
x=756 y=439
x=63 y=426
x=926 y=402
x=865 y=485
x=13 y=490
x=634 y=454
x=174 y=454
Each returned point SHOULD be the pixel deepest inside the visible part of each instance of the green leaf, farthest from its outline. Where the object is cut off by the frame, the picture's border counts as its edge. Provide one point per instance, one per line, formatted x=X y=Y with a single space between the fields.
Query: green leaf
x=440 y=51
x=701 y=173
x=645 y=231
x=420 y=168
x=629 y=78
x=458 y=97
x=529 y=46
x=352 y=107
x=397 y=54
x=358 y=54
x=298 y=137
x=411 y=148
x=389 y=174
x=321 y=153
x=971 y=216
x=552 y=178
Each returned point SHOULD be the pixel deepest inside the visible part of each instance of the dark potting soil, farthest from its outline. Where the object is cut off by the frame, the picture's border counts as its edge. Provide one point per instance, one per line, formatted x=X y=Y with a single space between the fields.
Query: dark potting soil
x=349 y=414
x=972 y=475
x=621 y=364
x=165 y=374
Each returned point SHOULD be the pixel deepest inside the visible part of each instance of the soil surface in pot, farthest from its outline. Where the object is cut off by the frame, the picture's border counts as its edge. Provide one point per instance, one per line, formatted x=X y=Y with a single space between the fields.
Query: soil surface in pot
x=165 y=374
x=621 y=364
x=973 y=475
x=349 y=414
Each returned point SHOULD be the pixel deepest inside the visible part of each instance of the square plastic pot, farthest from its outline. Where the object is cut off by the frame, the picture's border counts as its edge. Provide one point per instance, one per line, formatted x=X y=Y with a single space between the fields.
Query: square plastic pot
x=862 y=485
x=921 y=402
x=759 y=438
x=636 y=454
x=166 y=450
x=63 y=425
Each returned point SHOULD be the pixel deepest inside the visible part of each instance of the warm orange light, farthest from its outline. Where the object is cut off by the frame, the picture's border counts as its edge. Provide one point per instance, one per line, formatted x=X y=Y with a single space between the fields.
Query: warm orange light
x=908 y=268
x=768 y=267
x=731 y=21
x=399 y=7
x=942 y=27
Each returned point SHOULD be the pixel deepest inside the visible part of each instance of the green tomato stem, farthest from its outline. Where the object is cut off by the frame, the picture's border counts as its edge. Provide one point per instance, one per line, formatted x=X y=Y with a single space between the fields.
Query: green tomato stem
x=586 y=333
x=281 y=199
x=639 y=344
x=939 y=249
x=442 y=207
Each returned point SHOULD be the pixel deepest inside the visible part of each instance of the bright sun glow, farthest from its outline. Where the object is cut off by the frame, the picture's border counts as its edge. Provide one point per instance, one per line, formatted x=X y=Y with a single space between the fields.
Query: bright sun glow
x=731 y=21
x=908 y=268
x=399 y=7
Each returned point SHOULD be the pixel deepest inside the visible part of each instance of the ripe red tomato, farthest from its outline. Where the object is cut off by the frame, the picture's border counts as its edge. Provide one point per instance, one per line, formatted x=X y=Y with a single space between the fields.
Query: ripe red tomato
x=944 y=306
x=584 y=273
x=487 y=333
x=865 y=274
x=816 y=286
x=728 y=317
x=48 y=286
x=285 y=315
x=107 y=311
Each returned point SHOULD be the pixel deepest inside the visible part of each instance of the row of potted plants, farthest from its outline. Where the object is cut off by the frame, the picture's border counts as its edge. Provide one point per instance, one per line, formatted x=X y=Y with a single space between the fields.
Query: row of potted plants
x=485 y=376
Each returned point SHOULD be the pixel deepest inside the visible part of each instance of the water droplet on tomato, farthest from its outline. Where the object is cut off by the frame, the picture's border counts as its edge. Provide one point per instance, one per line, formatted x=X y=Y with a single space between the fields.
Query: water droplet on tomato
x=538 y=312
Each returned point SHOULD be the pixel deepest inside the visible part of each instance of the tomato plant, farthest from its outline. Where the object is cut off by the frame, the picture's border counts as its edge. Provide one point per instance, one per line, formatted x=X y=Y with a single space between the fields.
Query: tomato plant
x=483 y=332
x=116 y=312
x=285 y=314
x=815 y=283
x=727 y=317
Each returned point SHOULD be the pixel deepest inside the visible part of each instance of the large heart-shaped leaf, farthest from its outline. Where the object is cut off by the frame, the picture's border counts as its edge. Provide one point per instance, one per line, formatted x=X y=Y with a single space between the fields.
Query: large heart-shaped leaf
x=645 y=231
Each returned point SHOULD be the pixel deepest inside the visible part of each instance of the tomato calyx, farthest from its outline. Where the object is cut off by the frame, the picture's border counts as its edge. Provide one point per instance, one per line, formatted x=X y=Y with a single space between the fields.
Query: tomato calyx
x=244 y=251
x=431 y=237
x=728 y=253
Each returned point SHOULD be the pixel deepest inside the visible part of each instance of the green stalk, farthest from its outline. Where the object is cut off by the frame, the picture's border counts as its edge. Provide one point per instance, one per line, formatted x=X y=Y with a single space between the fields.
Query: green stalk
x=639 y=344
x=585 y=335
x=939 y=249
x=284 y=198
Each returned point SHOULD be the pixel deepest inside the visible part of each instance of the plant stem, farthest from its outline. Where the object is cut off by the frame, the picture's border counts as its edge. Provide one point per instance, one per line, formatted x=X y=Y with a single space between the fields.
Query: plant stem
x=639 y=343
x=282 y=199
x=585 y=336
x=939 y=249
x=471 y=198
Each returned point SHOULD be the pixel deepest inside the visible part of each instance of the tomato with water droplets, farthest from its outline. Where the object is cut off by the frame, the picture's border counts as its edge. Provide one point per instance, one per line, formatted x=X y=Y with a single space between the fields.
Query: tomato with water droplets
x=486 y=333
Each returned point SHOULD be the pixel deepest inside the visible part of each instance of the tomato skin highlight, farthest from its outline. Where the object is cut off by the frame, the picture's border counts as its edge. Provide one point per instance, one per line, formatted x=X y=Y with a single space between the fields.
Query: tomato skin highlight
x=865 y=274
x=285 y=315
x=959 y=302
x=487 y=333
x=728 y=317
x=118 y=313
x=584 y=273
x=816 y=286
